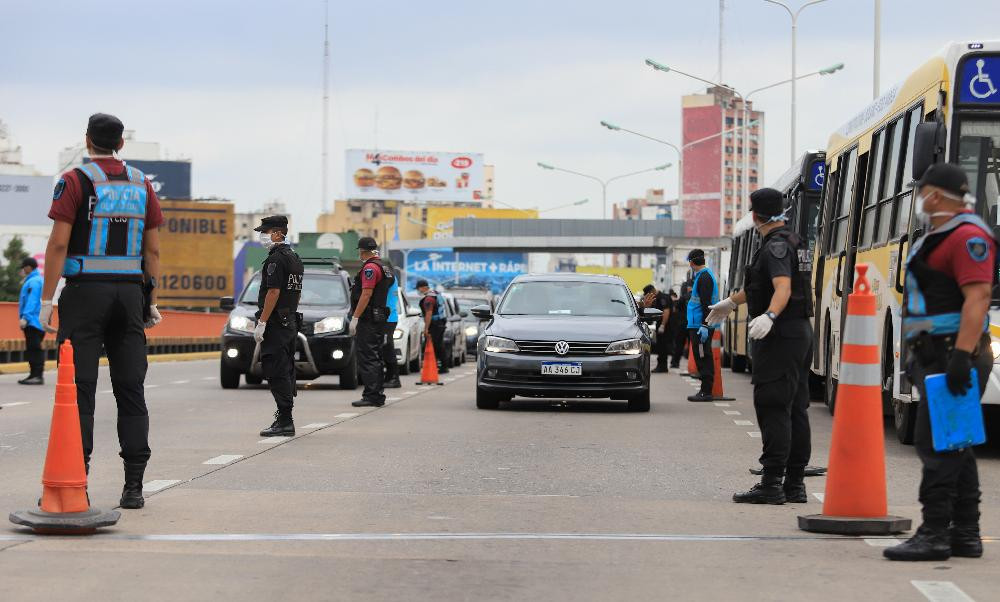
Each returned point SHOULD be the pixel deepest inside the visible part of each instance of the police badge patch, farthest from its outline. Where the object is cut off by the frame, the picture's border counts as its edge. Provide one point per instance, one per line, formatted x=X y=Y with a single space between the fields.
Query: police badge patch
x=270 y=268
x=60 y=186
x=978 y=249
x=369 y=273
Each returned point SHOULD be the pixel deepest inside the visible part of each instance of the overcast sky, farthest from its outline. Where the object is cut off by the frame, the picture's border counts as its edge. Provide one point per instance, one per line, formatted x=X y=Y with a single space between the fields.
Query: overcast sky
x=236 y=85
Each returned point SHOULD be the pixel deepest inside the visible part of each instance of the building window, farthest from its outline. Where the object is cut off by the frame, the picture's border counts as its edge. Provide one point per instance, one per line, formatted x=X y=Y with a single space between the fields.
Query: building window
x=729 y=121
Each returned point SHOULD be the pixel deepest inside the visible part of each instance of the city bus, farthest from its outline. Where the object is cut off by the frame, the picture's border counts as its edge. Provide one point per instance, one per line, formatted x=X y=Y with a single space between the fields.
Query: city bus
x=801 y=185
x=946 y=110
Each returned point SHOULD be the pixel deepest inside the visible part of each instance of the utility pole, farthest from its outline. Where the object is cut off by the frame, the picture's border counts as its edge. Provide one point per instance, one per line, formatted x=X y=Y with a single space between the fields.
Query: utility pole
x=722 y=9
x=877 y=65
x=325 y=168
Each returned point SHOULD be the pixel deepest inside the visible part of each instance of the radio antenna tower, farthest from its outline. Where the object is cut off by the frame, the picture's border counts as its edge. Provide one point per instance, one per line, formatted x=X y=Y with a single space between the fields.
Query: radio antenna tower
x=326 y=103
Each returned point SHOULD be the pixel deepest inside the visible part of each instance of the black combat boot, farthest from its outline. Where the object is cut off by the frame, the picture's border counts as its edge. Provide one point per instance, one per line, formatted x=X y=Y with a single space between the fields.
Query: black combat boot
x=965 y=541
x=281 y=427
x=32 y=380
x=768 y=491
x=926 y=544
x=795 y=486
x=700 y=396
x=392 y=383
x=132 y=492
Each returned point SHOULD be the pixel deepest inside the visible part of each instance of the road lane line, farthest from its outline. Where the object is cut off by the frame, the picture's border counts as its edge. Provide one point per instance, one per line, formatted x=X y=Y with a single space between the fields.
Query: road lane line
x=882 y=542
x=273 y=440
x=157 y=485
x=393 y=398
x=180 y=382
x=731 y=412
x=941 y=591
x=223 y=459
x=819 y=496
x=108 y=391
x=316 y=425
x=150 y=386
x=720 y=404
x=743 y=422
x=347 y=415
x=14 y=403
x=754 y=434
x=409 y=392
x=207 y=378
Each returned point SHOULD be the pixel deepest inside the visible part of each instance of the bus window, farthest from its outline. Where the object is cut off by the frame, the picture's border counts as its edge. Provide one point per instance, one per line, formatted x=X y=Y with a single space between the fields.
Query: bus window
x=890 y=184
x=979 y=156
x=838 y=236
x=871 y=195
x=901 y=213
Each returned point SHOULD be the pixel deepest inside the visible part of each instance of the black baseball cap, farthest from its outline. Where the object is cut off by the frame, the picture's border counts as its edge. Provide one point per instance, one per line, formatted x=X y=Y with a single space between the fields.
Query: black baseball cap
x=648 y=289
x=422 y=283
x=367 y=243
x=271 y=222
x=946 y=176
x=767 y=201
x=29 y=262
x=695 y=254
x=105 y=130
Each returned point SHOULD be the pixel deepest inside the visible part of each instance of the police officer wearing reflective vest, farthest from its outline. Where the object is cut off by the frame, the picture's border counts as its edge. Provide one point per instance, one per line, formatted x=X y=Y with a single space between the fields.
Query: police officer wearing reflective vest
x=779 y=298
x=950 y=272
x=278 y=320
x=434 y=321
x=704 y=292
x=106 y=244
x=369 y=315
x=388 y=342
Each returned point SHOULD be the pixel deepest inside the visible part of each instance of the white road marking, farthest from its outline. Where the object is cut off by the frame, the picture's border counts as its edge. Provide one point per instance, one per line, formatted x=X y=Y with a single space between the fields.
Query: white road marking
x=223 y=459
x=150 y=386
x=409 y=392
x=180 y=382
x=941 y=591
x=819 y=496
x=754 y=434
x=731 y=412
x=207 y=378
x=720 y=404
x=154 y=486
x=393 y=398
x=272 y=440
x=346 y=415
x=108 y=391
x=882 y=542
x=316 y=425
x=14 y=403
x=743 y=422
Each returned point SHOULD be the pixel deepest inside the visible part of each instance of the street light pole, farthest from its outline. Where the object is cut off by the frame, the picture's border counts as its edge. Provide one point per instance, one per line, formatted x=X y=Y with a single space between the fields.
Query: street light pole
x=795 y=24
x=877 y=59
x=603 y=183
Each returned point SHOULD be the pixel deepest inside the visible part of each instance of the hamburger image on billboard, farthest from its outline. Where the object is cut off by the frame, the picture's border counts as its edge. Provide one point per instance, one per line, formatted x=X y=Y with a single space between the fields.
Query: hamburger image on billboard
x=414 y=175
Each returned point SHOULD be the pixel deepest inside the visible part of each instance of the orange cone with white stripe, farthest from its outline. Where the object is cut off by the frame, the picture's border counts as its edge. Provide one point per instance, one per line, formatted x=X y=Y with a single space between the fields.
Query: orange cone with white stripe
x=429 y=371
x=855 y=499
x=717 y=359
x=692 y=365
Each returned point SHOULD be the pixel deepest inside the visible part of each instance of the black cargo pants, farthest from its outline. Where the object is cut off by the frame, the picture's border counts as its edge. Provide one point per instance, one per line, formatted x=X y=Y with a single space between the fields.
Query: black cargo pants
x=277 y=361
x=703 y=359
x=33 y=352
x=389 y=352
x=108 y=314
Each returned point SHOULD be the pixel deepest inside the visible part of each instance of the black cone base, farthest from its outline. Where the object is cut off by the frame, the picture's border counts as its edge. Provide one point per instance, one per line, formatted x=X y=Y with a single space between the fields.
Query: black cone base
x=69 y=523
x=849 y=525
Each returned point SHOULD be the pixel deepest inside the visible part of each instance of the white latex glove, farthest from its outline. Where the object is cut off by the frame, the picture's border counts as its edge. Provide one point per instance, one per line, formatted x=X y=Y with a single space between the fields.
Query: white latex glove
x=45 y=316
x=23 y=323
x=258 y=332
x=661 y=329
x=352 y=327
x=154 y=317
x=760 y=327
x=720 y=311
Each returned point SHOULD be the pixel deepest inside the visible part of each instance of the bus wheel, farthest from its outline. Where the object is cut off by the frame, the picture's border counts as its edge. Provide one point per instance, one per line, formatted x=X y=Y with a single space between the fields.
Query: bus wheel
x=905 y=416
x=830 y=383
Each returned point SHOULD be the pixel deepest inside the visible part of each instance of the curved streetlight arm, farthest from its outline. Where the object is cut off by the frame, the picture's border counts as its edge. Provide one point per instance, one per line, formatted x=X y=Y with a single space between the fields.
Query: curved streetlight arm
x=787 y=81
x=575 y=173
x=635 y=173
x=641 y=135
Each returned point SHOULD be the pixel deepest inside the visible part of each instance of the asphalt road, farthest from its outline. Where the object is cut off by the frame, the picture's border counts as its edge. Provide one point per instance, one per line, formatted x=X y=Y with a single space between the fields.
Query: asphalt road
x=429 y=498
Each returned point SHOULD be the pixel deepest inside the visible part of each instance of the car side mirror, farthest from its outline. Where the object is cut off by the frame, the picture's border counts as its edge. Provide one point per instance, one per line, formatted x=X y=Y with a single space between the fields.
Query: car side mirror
x=651 y=315
x=412 y=312
x=227 y=303
x=928 y=146
x=464 y=313
x=483 y=312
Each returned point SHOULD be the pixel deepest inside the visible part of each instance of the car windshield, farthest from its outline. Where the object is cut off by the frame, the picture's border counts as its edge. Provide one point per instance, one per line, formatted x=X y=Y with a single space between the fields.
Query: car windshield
x=575 y=298
x=979 y=156
x=468 y=304
x=317 y=289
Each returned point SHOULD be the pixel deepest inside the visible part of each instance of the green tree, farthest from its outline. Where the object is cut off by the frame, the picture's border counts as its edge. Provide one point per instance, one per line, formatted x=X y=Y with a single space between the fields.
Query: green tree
x=10 y=272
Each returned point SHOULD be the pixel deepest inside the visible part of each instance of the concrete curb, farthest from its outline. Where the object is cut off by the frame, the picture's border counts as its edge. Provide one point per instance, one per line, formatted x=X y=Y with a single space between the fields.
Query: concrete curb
x=22 y=367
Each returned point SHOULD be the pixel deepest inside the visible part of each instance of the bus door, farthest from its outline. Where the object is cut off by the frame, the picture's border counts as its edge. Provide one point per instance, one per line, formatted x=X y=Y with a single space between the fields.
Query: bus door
x=854 y=194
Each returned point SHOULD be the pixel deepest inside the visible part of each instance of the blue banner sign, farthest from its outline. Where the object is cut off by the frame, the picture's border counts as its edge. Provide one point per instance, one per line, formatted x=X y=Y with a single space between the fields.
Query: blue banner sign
x=817 y=175
x=443 y=268
x=979 y=79
x=169 y=179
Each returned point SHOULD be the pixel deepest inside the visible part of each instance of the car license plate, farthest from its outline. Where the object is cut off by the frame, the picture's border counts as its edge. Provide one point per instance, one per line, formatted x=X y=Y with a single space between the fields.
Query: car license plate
x=562 y=368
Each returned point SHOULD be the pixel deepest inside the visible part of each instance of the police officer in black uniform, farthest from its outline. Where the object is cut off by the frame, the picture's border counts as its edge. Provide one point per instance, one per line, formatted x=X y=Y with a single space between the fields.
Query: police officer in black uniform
x=278 y=320
x=369 y=315
x=779 y=300
x=435 y=322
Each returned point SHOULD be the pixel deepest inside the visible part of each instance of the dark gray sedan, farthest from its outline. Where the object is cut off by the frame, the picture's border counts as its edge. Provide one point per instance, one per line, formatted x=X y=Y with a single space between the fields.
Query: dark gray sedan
x=565 y=335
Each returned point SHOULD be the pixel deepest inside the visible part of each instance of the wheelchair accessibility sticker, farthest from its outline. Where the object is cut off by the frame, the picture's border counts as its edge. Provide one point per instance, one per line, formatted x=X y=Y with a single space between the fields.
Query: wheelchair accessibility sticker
x=817 y=173
x=977 y=80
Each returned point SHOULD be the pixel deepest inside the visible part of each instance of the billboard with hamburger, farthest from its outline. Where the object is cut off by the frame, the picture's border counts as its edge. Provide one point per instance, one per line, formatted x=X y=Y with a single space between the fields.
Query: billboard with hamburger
x=414 y=175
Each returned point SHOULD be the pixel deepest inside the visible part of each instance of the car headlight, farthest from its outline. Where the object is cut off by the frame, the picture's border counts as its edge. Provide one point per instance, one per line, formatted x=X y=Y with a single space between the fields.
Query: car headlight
x=398 y=333
x=241 y=324
x=626 y=347
x=995 y=348
x=501 y=345
x=331 y=324
x=471 y=331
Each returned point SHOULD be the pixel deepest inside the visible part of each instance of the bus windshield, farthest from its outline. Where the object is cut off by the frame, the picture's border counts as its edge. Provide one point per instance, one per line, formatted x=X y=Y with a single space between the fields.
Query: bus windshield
x=979 y=156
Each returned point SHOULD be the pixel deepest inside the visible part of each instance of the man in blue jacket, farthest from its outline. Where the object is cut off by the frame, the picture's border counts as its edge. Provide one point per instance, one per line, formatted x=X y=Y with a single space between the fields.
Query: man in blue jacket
x=704 y=292
x=388 y=343
x=29 y=305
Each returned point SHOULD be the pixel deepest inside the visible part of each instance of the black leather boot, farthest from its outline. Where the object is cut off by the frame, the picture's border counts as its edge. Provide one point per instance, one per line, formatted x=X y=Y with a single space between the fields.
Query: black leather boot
x=132 y=492
x=392 y=383
x=768 y=491
x=281 y=427
x=926 y=544
x=795 y=486
x=965 y=541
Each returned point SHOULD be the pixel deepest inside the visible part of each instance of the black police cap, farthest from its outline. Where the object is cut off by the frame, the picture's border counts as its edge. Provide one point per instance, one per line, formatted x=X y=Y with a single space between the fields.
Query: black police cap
x=367 y=243
x=422 y=283
x=767 y=201
x=105 y=130
x=946 y=176
x=695 y=254
x=274 y=221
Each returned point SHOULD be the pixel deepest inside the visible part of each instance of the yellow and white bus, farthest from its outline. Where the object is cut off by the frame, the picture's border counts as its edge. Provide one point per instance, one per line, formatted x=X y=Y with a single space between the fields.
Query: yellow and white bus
x=801 y=186
x=946 y=110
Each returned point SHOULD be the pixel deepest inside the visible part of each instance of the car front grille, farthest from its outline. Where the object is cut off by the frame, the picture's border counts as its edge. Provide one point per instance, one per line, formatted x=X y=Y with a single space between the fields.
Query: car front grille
x=549 y=347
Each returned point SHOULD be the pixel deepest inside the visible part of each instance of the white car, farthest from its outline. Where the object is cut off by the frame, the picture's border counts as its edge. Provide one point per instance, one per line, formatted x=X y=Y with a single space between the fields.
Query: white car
x=406 y=338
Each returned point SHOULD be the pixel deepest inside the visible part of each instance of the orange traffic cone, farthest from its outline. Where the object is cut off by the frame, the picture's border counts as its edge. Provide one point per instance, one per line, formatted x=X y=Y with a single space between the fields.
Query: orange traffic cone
x=855 y=499
x=429 y=371
x=65 y=507
x=717 y=359
x=692 y=365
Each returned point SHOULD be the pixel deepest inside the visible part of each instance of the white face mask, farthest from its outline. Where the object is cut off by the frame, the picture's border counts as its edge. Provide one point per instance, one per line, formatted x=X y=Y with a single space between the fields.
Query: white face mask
x=265 y=239
x=924 y=218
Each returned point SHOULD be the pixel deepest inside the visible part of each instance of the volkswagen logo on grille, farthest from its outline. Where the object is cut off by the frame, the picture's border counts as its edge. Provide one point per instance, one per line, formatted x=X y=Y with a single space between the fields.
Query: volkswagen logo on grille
x=562 y=347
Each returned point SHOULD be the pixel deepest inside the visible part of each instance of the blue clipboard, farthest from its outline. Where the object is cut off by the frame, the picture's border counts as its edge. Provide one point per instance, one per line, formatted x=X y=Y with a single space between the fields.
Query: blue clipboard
x=956 y=422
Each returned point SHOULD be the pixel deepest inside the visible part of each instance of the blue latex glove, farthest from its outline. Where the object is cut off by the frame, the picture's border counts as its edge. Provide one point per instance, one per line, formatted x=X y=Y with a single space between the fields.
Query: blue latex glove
x=703 y=333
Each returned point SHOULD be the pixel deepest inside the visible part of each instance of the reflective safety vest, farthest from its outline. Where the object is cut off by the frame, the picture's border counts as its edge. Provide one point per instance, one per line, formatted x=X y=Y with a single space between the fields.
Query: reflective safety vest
x=106 y=239
x=376 y=310
x=694 y=313
x=438 y=307
x=392 y=300
x=932 y=301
